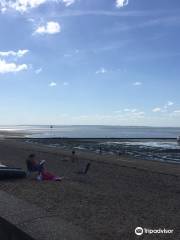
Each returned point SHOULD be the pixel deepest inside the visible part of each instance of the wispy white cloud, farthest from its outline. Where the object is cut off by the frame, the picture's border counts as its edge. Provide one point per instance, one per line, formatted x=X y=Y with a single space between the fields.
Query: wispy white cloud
x=38 y=71
x=157 y=109
x=130 y=113
x=65 y=83
x=101 y=71
x=52 y=84
x=20 y=5
x=167 y=105
x=134 y=13
x=25 y=5
x=19 y=53
x=49 y=28
x=170 y=103
x=121 y=3
x=68 y=2
x=67 y=55
x=72 y=53
x=150 y=23
x=119 y=118
x=165 y=108
x=32 y=20
x=137 y=83
x=175 y=113
x=12 y=67
x=133 y=112
x=127 y=110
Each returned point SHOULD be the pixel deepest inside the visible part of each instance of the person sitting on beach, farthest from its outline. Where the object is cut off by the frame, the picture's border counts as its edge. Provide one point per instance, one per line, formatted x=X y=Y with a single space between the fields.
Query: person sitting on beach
x=33 y=165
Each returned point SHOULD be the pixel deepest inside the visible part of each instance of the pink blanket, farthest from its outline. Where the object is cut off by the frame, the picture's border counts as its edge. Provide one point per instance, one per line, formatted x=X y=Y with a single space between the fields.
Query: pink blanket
x=49 y=176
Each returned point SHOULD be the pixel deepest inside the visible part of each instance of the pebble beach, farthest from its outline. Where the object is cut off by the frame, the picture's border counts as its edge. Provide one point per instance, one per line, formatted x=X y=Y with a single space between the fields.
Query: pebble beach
x=118 y=194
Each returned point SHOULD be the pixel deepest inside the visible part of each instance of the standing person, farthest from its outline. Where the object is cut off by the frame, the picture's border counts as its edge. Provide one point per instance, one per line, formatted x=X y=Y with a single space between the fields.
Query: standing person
x=100 y=150
x=73 y=155
x=82 y=166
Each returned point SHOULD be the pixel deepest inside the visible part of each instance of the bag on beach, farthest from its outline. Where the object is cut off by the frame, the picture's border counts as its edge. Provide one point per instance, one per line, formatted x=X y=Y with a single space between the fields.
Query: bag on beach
x=51 y=177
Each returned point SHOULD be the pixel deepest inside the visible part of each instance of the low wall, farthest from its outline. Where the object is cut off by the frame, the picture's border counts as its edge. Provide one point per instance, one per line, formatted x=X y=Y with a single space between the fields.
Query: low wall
x=9 y=231
x=20 y=220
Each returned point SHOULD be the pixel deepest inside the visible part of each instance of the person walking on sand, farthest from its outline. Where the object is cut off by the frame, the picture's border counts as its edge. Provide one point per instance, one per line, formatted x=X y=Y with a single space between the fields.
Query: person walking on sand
x=73 y=155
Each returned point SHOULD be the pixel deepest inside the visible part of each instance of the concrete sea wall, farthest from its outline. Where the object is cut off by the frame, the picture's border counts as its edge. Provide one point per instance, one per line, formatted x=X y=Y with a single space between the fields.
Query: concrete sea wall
x=20 y=220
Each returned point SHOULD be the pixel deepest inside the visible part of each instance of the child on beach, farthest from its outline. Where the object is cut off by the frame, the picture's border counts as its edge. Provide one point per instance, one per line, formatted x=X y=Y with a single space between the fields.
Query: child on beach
x=82 y=167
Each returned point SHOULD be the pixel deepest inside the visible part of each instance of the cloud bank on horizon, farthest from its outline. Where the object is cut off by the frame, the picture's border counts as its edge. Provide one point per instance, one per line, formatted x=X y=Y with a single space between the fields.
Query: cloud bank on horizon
x=105 y=62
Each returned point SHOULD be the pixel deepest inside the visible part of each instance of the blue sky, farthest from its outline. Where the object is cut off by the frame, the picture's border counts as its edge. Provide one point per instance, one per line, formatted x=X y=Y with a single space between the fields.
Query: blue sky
x=90 y=62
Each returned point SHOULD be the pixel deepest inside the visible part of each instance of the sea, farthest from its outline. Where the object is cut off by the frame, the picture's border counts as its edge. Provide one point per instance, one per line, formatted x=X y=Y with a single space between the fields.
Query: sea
x=148 y=143
x=92 y=131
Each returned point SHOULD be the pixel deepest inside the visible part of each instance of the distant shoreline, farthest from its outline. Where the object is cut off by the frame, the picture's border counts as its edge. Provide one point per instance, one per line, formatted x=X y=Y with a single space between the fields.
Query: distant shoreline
x=18 y=135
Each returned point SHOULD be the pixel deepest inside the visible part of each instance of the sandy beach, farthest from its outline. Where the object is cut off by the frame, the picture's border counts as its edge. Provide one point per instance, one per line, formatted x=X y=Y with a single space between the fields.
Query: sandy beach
x=117 y=195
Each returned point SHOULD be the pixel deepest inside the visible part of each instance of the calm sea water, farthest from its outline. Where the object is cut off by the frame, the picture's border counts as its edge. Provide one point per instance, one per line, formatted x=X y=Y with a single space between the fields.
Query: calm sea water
x=94 y=131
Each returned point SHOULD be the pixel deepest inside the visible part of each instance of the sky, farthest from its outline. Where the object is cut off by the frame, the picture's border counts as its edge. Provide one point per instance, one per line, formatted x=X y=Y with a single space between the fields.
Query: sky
x=112 y=62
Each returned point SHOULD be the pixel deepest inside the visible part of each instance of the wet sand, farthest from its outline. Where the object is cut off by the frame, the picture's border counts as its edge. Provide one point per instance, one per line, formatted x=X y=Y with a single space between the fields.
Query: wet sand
x=117 y=195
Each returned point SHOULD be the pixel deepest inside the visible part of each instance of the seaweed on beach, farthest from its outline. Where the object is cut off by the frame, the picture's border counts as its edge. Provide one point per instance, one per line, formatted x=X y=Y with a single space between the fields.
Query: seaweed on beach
x=168 y=151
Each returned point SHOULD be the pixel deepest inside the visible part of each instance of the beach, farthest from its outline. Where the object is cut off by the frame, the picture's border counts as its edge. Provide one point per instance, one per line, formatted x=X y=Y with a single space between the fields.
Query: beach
x=118 y=194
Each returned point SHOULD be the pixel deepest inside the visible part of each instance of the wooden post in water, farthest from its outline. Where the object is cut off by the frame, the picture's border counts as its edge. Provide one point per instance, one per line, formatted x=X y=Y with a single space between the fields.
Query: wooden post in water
x=51 y=130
